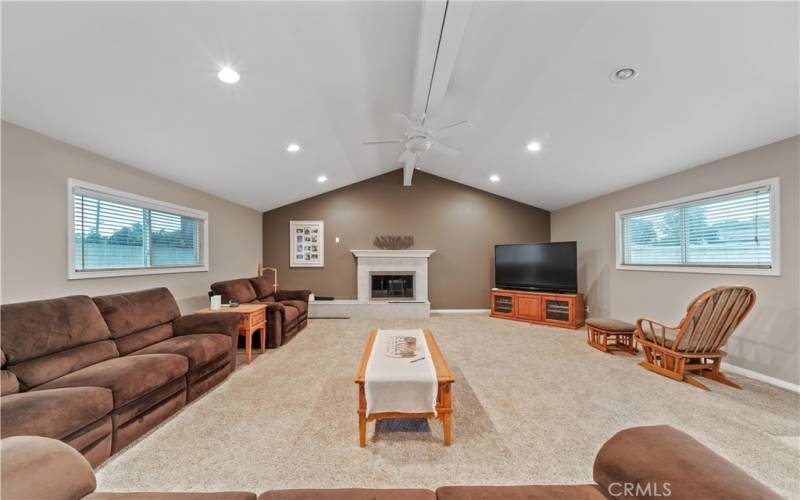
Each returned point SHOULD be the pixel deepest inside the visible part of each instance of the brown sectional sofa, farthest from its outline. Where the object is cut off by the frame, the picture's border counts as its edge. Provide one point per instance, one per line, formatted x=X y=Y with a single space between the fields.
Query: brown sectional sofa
x=653 y=462
x=98 y=373
x=287 y=310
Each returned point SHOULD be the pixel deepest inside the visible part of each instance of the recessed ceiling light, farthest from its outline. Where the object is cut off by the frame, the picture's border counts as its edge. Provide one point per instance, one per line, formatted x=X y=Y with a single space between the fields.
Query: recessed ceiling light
x=293 y=148
x=322 y=178
x=228 y=75
x=534 y=146
x=624 y=74
x=494 y=178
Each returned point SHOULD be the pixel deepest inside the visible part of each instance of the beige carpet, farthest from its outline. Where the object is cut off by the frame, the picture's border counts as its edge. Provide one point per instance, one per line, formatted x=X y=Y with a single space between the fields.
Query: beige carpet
x=533 y=405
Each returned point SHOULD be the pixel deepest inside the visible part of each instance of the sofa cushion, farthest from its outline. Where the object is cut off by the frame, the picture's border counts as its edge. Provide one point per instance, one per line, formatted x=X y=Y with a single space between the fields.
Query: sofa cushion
x=129 y=377
x=302 y=307
x=45 y=339
x=349 y=494
x=566 y=492
x=200 y=349
x=658 y=455
x=241 y=290
x=54 y=413
x=127 y=313
x=42 y=468
x=143 y=338
x=263 y=287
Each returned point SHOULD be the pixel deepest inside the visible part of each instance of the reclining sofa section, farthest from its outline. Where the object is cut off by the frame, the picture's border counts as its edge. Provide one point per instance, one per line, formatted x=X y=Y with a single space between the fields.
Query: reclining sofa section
x=98 y=373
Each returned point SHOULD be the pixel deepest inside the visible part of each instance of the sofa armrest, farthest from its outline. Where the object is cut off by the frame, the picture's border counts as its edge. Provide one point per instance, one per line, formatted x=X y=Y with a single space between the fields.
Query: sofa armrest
x=39 y=467
x=273 y=307
x=292 y=295
x=661 y=461
x=226 y=323
x=276 y=312
x=221 y=322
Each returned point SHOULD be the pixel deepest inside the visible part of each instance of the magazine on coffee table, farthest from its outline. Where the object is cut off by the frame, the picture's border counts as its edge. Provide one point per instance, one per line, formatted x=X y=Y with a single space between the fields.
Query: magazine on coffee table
x=401 y=347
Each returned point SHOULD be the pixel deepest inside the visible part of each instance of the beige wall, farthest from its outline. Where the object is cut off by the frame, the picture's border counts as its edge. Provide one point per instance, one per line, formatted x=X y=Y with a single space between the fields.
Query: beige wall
x=35 y=169
x=769 y=340
x=461 y=223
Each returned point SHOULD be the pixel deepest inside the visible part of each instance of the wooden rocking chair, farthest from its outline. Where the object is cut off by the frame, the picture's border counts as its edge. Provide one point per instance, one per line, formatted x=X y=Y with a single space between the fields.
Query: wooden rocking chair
x=695 y=344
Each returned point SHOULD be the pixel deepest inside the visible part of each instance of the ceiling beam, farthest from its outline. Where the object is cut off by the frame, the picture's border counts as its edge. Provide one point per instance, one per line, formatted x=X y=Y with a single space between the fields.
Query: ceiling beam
x=452 y=33
x=430 y=29
x=441 y=29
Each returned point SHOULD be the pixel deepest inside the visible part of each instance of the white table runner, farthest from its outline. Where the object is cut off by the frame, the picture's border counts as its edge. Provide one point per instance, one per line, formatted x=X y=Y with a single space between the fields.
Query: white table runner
x=396 y=384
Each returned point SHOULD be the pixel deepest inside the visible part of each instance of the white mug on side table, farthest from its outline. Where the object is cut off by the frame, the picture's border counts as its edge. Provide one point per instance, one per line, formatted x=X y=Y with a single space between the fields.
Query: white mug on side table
x=216 y=301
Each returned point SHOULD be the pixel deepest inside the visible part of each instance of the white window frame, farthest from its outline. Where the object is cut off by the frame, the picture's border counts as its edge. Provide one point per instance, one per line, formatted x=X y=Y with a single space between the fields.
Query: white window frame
x=775 y=230
x=138 y=201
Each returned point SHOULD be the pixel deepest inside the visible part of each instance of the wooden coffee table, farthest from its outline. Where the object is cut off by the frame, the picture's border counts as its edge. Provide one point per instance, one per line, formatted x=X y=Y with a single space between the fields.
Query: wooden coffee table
x=254 y=318
x=444 y=398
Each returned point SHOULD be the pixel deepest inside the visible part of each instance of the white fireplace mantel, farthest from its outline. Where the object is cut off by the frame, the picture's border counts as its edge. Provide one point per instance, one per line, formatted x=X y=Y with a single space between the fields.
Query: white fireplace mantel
x=393 y=253
x=374 y=261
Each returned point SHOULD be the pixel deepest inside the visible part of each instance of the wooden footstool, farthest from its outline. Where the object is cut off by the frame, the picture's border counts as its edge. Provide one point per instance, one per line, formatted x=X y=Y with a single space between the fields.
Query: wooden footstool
x=620 y=333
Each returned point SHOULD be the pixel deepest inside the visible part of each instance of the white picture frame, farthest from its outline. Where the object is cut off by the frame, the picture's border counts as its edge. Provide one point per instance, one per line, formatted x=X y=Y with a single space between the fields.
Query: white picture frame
x=306 y=243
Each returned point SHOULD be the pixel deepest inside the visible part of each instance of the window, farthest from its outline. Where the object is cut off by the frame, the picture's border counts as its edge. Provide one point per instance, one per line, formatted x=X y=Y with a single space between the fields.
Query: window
x=733 y=231
x=113 y=233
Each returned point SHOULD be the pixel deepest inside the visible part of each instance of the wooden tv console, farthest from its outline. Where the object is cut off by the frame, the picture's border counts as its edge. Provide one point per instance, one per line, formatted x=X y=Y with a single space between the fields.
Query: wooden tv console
x=554 y=309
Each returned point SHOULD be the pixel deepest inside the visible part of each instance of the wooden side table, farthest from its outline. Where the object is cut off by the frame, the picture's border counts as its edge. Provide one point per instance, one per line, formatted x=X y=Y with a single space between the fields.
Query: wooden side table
x=254 y=318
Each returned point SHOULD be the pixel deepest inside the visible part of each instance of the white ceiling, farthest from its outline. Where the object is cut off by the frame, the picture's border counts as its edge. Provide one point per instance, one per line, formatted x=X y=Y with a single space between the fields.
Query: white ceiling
x=136 y=82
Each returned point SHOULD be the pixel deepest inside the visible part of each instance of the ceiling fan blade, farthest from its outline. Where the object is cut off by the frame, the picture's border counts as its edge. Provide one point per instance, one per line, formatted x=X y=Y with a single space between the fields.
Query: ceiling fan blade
x=408 y=170
x=406 y=119
x=444 y=148
x=383 y=142
x=407 y=156
x=451 y=126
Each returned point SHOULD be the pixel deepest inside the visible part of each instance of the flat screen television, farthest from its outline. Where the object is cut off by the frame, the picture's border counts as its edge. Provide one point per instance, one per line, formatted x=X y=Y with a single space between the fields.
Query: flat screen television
x=546 y=267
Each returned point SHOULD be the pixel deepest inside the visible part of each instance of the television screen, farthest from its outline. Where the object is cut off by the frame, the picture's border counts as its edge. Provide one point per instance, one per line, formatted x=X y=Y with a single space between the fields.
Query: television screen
x=551 y=267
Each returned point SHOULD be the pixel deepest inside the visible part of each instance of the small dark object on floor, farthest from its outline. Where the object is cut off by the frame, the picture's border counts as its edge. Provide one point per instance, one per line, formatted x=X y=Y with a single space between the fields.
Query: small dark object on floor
x=402 y=425
x=322 y=297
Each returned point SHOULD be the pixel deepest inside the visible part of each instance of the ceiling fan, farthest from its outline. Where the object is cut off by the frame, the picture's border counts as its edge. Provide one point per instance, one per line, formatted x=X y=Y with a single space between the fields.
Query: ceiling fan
x=418 y=139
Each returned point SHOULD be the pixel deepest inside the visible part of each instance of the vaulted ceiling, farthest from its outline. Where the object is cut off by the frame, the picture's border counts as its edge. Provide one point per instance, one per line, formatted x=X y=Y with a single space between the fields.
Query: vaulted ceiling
x=136 y=82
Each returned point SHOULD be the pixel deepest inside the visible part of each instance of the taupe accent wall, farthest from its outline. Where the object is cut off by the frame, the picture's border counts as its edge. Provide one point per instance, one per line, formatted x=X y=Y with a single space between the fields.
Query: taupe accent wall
x=34 y=259
x=461 y=223
x=769 y=339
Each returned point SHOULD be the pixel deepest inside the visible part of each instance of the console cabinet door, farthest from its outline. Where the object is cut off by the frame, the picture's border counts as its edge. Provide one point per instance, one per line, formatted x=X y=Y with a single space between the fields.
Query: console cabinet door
x=529 y=307
x=503 y=304
x=558 y=310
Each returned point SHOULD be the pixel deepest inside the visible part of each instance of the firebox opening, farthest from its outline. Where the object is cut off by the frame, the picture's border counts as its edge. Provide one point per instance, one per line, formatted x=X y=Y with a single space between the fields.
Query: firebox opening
x=392 y=286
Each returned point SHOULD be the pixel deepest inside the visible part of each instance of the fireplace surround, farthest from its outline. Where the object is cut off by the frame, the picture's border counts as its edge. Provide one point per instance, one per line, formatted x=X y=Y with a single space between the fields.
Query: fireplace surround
x=392 y=262
x=402 y=271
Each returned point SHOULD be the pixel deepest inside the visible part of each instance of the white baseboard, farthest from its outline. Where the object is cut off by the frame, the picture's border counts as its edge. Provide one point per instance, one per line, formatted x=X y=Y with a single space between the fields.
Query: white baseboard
x=461 y=311
x=761 y=377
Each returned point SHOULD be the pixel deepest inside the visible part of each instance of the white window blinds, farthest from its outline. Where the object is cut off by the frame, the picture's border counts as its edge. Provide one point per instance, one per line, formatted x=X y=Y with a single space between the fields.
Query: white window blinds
x=111 y=233
x=730 y=230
